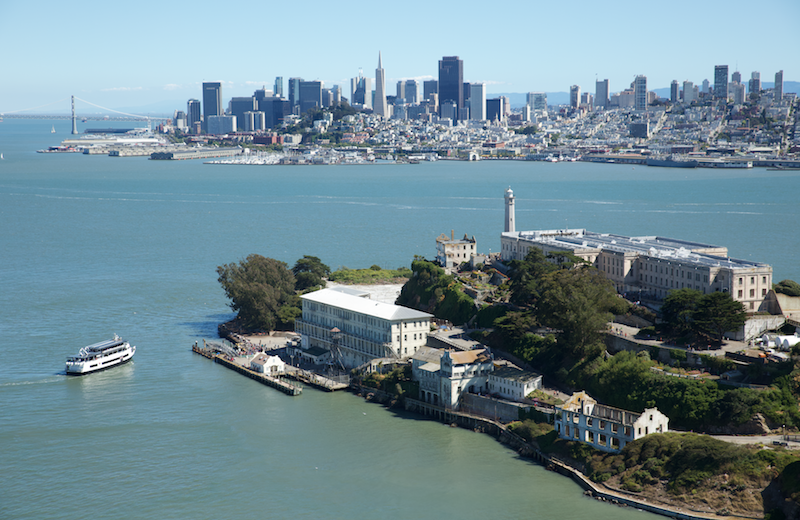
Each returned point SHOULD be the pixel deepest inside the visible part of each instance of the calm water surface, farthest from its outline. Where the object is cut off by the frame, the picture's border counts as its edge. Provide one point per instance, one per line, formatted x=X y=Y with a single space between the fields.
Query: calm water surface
x=91 y=246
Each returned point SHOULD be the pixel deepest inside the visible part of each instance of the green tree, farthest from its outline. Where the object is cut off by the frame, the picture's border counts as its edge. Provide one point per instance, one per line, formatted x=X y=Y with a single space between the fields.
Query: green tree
x=526 y=277
x=679 y=309
x=309 y=272
x=430 y=290
x=578 y=301
x=259 y=288
x=718 y=313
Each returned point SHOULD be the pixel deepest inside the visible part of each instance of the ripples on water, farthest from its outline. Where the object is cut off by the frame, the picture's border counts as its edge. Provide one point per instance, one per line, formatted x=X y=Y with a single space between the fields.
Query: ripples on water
x=91 y=246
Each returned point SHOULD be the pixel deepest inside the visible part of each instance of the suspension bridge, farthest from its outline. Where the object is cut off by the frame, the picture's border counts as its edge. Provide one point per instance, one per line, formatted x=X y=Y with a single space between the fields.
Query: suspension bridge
x=121 y=116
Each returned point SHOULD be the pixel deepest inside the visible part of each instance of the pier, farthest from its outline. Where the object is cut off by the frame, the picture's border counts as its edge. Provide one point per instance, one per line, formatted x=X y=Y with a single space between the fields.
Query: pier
x=274 y=382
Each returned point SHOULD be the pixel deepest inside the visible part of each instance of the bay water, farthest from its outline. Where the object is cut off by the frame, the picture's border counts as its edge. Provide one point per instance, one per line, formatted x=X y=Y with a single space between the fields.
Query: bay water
x=94 y=245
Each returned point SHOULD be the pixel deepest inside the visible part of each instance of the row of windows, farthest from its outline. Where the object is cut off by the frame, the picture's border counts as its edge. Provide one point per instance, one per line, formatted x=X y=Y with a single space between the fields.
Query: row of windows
x=752 y=280
x=752 y=293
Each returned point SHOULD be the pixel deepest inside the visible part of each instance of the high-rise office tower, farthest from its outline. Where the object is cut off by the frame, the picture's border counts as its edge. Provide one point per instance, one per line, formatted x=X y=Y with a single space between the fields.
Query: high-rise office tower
x=495 y=109
x=477 y=101
x=755 y=82
x=310 y=95
x=294 y=92
x=240 y=105
x=451 y=81
x=736 y=77
x=673 y=91
x=278 y=86
x=537 y=100
x=778 y=86
x=429 y=87
x=640 y=93
x=212 y=102
x=688 y=92
x=601 y=93
x=412 y=91
x=192 y=113
x=574 y=96
x=737 y=93
x=449 y=110
x=380 y=107
x=361 y=91
x=721 y=81
x=401 y=90
x=706 y=86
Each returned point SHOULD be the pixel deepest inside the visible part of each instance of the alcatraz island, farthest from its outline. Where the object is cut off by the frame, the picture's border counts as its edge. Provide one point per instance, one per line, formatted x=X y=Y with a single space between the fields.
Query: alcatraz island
x=657 y=373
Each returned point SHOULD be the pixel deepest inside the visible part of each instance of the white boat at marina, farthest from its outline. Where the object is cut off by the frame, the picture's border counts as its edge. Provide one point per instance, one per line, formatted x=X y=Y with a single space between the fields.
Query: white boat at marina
x=100 y=356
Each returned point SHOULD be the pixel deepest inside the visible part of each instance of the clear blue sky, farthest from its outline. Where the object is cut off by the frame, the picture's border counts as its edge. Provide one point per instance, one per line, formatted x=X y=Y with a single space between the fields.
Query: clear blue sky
x=135 y=54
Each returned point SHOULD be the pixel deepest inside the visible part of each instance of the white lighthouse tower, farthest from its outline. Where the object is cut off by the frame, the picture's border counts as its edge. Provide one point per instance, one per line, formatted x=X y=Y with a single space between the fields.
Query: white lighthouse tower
x=509 y=227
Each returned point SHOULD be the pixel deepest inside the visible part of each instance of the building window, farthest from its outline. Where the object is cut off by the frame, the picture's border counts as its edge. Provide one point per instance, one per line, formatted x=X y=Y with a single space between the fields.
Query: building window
x=740 y=281
x=763 y=292
x=752 y=293
x=763 y=279
x=740 y=293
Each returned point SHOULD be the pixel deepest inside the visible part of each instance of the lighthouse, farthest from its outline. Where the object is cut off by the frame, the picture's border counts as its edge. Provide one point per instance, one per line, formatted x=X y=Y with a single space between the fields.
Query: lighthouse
x=509 y=227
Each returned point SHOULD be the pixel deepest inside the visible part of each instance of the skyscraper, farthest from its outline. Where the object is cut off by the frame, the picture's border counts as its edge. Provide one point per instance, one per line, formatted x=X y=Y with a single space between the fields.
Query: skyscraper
x=778 y=86
x=294 y=92
x=477 y=101
x=537 y=100
x=212 y=102
x=574 y=96
x=310 y=95
x=380 y=107
x=451 y=81
x=278 y=86
x=495 y=109
x=755 y=82
x=688 y=92
x=401 y=90
x=640 y=93
x=673 y=91
x=240 y=105
x=601 y=93
x=192 y=113
x=412 y=91
x=736 y=77
x=429 y=87
x=361 y=91
x=721 y=81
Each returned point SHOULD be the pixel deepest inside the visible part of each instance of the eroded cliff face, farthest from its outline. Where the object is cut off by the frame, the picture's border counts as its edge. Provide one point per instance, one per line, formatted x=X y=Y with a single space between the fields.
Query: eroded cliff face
x=757 y=425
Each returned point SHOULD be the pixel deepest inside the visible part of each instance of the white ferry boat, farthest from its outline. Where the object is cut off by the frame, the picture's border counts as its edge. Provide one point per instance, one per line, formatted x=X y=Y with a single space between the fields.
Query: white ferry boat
x=100 y=356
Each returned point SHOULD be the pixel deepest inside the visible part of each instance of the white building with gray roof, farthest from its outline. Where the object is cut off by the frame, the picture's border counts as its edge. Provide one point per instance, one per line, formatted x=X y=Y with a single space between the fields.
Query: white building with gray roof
x=356 y=329
x=651 y=266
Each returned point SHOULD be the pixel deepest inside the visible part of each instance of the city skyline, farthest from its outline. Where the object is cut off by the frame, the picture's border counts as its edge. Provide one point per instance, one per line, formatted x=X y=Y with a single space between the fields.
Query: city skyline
x=91 y=54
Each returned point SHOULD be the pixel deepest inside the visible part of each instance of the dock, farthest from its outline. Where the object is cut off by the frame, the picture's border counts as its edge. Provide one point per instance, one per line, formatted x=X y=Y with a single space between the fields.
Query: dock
x=315 y=380
x=274 y=382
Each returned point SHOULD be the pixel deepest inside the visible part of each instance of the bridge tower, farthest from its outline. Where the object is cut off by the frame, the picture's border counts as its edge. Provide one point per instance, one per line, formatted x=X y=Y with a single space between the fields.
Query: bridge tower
x=74 y=120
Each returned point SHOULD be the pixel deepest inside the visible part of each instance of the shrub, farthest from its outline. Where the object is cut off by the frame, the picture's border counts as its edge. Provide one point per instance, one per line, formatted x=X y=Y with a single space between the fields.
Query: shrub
x=787 y=287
